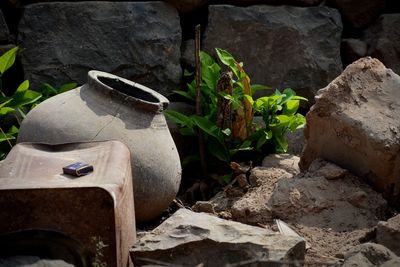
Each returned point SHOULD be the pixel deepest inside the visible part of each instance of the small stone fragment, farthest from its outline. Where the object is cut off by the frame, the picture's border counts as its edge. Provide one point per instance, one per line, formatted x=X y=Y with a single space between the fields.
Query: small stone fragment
x=388 y=234
x=327 y=170
x=204 y=206
x=357 y=199
x=242 y=181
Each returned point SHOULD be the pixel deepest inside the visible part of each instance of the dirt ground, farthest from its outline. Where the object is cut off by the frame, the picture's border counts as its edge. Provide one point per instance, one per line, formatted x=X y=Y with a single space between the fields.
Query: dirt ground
x=330 y=208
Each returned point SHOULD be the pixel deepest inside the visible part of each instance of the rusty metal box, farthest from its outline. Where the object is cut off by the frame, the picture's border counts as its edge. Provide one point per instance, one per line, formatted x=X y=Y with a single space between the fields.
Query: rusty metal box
x=95 y=212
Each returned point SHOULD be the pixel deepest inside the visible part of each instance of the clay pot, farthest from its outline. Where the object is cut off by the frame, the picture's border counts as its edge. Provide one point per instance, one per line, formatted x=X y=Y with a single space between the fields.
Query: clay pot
x=109 y=107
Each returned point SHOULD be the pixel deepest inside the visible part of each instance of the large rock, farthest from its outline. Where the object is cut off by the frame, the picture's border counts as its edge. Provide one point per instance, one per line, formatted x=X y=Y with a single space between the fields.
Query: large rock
x=355 y=124
x=359 y=13
x=32 y=261
x=352 y=50
x=270 y=2
x=4 y=33
x=388 y=234
x=383 y=39
x=290 y=46
x=370 y=254
x=136 y=40
x=190 y=238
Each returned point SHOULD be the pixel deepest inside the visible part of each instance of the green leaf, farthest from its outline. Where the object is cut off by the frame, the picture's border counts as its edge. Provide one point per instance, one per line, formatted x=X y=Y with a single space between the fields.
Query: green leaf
x=187 y=131
x=289 y=92
x=298 y=121
x=8 y=59
x=210 y=75
x=281 y=144
x=22 y=98
x=187 y=73
x=48 y=90
x=259 y=87
x=5 y=110
x=299 y=98
x=227 y=59
x=4 y=101
x=265 y=136
x=5 y=137
x=291 y=106
x=185 y=94
x=250 y=99
x=227 y=178
x=23 y=87
x=227 y=132
x=13 y=130
x=189 y=159
x=261 y=103
x=178 y=118
x=206 y=59
x=209 y=128
x=66 y=87
x=218 y=150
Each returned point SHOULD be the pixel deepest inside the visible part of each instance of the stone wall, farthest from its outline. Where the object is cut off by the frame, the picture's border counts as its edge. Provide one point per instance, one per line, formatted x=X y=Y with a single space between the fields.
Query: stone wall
x=303 y=44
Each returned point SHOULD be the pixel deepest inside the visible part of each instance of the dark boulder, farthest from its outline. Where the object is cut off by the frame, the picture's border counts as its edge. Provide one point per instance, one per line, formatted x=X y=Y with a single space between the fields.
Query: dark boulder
x=140 y=41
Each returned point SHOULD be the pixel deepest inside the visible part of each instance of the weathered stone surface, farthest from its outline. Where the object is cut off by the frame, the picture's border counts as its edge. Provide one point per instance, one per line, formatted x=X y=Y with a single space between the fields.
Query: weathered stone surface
x=388 y=234
x=383 y=39
x=270 y=2
x=32 y=261
x=191 y=238
x=355 y=124
x=290 y=46
x=287 y=162
x=352 y=50
x=188 y=48
x=359 y=13
x=135 y=40
x=369 y=254
x=296 y=141
x=4 y=33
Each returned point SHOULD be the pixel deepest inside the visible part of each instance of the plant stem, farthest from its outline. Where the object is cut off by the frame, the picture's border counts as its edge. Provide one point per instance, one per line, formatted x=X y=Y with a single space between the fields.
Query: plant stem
x=202 y=149
x=5 y=136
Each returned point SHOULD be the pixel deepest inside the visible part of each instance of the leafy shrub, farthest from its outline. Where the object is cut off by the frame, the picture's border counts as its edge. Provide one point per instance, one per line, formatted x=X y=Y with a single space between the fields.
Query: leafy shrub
x=278 y=111
x=20 y=103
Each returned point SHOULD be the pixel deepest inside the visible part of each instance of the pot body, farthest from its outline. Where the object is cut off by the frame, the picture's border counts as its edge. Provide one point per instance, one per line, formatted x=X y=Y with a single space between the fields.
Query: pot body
x=112 y=108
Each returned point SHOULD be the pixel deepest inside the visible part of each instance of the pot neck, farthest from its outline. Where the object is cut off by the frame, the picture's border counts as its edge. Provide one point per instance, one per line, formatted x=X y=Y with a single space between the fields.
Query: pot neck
x=126 y=91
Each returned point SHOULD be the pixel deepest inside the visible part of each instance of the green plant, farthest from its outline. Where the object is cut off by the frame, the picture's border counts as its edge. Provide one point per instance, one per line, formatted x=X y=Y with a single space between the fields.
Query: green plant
x=15 y=107
x=279 y=112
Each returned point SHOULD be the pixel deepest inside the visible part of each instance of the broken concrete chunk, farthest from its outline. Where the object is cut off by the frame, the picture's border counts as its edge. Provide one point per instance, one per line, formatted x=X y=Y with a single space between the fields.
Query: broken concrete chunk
x=327 y=170
x=192 y=238
x=355 y=124
x=289 y=163
x=388 y=234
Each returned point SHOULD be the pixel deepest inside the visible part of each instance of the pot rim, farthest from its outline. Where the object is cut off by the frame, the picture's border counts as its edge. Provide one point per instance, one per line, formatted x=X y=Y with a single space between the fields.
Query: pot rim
x=159 y=105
